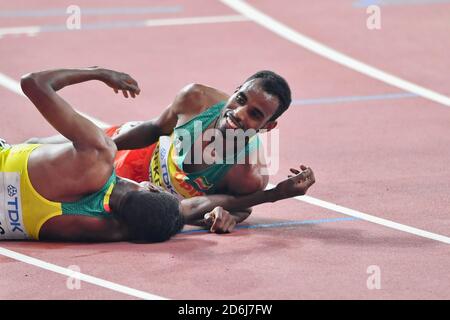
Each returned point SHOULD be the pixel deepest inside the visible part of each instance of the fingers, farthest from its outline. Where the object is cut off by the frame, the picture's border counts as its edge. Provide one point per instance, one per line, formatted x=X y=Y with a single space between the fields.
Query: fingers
x=296 y=172
x=222 y=221
x=131 y=90
x=211 y=218
x=306 y=174
x=125 y=93
x=123 y=82
x=230 y=224
x=134 y=88
x=131 y=85
x=128 y=92
x=303 y=168
x=218 y=212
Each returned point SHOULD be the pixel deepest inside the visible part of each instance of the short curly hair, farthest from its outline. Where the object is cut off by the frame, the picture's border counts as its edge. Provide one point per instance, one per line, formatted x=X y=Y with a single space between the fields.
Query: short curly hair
x=276 y=85
x=151 y=216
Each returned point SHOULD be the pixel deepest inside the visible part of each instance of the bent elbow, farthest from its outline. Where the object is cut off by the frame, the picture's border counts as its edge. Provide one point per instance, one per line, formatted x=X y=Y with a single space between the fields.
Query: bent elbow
x=28 y=83
x=192 y=92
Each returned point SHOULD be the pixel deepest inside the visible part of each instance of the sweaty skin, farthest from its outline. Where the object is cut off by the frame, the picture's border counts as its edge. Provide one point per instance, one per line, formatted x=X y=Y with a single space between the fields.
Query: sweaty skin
x=69 y=171
x=249 y=107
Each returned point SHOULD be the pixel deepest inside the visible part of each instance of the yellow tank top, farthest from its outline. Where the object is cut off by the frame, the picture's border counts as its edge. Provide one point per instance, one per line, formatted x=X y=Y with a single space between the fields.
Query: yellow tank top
x=23 y=210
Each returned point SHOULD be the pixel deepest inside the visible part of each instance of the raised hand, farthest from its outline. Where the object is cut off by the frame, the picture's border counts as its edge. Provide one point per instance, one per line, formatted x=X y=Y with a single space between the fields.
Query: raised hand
x=298 y=184
x=120 y=81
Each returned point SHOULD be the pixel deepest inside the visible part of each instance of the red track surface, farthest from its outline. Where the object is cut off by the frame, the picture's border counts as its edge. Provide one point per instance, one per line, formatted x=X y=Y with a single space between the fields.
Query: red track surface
x=388 y=158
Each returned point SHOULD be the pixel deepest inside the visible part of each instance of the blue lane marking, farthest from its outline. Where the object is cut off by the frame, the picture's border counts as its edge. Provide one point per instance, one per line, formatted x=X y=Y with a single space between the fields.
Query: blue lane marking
x=280 y=224
x=96 y=26
x=333 y=100
x=366 y=3
x=90 y=11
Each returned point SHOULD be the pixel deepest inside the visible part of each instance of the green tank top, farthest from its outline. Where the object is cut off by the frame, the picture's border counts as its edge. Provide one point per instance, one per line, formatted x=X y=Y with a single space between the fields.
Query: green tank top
x=93 y=205
x=167 y=164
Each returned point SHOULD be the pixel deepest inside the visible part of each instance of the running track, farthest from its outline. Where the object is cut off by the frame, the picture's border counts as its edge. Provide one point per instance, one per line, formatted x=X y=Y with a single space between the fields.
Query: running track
x=376 y=147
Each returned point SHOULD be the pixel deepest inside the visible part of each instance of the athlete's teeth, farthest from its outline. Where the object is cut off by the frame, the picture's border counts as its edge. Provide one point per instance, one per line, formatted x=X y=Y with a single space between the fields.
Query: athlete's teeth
x=231 y=123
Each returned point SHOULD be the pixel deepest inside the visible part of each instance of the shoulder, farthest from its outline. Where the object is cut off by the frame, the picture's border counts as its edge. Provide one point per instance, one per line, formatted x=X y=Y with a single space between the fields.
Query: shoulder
x=195 y=97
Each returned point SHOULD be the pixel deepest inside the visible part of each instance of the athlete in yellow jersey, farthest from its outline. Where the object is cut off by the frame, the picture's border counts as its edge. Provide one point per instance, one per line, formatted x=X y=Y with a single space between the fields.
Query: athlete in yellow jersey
x=70 y=191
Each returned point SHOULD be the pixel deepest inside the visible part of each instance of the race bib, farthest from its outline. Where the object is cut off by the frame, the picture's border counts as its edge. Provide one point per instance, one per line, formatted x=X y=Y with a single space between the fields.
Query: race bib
x=164 y=148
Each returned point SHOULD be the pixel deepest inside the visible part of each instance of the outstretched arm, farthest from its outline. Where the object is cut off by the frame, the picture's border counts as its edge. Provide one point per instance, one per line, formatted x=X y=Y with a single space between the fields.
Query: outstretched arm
x=225 y=222
x=194 y=209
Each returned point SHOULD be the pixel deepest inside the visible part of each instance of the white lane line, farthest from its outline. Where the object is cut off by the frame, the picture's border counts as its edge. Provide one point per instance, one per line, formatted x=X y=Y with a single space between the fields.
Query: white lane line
x=195 y=20
x=81 y=276
x=14 y=86
x=370 y=218
x=34 y=30
x=28 y=30
x=331 y=54
x=10 y=84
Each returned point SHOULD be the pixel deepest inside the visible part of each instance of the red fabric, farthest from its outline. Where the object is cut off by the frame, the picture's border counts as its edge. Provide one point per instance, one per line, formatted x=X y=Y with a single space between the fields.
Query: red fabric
x=132 y=164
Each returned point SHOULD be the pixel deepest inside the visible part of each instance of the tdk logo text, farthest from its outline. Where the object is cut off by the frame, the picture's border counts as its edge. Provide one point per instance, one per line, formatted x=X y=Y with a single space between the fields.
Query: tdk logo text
x=12 y=191
x=13 y=209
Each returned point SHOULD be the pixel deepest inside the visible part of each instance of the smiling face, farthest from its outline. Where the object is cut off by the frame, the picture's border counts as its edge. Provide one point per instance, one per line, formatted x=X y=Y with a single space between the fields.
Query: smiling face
x=250 y=107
